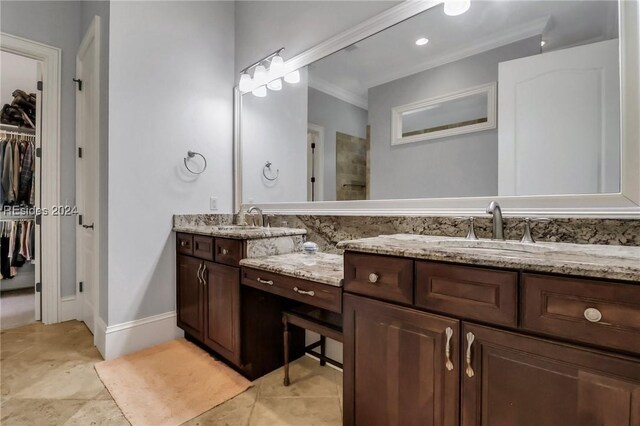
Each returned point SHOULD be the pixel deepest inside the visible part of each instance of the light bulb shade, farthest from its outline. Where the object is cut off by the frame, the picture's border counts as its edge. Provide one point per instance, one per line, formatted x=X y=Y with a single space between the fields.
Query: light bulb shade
x=260 y=74
x=456 y=7
x=275 y=85
x=277 y=65
x=293 y=77
x=260 y=92
x=245 y=82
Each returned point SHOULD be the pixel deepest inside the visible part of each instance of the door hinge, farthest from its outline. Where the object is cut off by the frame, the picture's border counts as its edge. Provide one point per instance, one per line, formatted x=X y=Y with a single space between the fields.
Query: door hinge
x=81 y=286
x=38 y=219
x=77 y=80
x=39 y=152
x=79 y=152
x=79 y=219
x=39 y=85
x=39 y=287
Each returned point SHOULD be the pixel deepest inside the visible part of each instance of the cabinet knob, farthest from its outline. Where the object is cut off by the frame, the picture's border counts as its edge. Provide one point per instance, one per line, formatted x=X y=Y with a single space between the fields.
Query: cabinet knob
x=225 y=251
x=183 y=243
x=373 y=277
x=592 y=314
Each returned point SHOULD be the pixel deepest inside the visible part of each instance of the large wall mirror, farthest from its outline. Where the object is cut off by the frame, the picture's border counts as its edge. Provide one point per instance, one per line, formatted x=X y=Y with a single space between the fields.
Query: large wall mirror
x=509 y=99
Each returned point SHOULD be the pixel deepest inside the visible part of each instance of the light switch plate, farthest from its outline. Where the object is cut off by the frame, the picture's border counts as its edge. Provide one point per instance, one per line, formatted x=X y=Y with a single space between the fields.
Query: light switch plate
x=213 y=203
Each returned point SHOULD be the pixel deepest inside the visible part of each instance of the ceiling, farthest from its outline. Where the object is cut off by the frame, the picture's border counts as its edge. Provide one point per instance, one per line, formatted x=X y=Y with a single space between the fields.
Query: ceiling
x=393 y=54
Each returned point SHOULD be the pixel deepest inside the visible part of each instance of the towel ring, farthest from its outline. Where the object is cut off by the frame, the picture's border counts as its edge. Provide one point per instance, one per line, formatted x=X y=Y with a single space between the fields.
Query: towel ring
x=264 y=172
x=191 y=154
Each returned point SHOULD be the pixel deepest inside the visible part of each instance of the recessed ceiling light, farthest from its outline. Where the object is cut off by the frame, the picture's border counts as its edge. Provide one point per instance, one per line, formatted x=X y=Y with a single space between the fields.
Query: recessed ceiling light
x=542 y=43
x=422 y=41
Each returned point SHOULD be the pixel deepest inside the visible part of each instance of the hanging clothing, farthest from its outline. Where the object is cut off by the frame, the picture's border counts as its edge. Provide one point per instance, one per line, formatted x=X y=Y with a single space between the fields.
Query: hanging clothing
x=26 y=174
x=7 y=173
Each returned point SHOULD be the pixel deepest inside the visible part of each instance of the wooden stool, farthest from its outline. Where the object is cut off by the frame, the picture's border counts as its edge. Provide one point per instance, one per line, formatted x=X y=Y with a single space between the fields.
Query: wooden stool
x=325 y=323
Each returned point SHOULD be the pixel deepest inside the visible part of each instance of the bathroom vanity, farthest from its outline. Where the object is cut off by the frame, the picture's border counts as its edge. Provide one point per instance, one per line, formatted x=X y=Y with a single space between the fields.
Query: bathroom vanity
x=214 y=311
x=448 y=331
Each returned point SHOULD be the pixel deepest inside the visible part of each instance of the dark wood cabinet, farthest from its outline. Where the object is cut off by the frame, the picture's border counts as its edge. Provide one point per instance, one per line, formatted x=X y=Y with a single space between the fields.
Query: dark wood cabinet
x=526 y=381
x=208 y=297
x=190 y=296
x=396 y=369
x=222 y=310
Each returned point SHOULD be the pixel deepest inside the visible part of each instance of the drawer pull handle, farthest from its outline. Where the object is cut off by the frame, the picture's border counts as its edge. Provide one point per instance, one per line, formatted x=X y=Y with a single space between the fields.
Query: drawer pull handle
x=447 y=350
x=261 y=281
x=225 y=251
x=308 y=293
x=204 y=278
x=200 y=270
x=373 y=278
x=592 y=314
x=183 y=243
x=470 y=339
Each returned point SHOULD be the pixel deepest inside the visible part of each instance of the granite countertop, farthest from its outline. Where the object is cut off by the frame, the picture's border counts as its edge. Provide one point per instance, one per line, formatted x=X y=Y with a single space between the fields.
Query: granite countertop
x=239 y=232
x=323 y=268
x=588 y=260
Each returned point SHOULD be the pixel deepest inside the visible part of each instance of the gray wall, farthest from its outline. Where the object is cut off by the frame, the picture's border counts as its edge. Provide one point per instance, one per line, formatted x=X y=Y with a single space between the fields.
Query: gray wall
x=89 y=10
x=56 y=23
x=171 y=73
x=334 y=115
x=457 y=166
x=264 y=26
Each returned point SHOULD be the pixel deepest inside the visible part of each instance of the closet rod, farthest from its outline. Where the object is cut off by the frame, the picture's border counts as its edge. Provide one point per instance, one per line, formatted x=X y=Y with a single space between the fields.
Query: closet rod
x=17 y=129
x=6 y=218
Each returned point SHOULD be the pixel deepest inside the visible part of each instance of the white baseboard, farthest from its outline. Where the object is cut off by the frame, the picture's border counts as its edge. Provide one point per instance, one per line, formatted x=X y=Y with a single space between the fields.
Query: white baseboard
x=100 y=336
x=121 y=339
x=68 y=309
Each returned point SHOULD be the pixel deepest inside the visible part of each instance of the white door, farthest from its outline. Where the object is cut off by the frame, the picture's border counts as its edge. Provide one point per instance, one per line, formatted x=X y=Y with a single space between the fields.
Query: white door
x=38 y=202
x=559 y=122
x=87 y=144
x=315 y=162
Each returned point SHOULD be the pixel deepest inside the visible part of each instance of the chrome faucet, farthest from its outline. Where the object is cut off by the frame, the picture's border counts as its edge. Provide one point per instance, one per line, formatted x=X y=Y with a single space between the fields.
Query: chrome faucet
x=263 y=217
x=498 y=226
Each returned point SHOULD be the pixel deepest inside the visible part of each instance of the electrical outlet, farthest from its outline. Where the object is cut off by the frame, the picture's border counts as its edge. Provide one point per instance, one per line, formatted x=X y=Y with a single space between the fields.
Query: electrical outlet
x=213 y=203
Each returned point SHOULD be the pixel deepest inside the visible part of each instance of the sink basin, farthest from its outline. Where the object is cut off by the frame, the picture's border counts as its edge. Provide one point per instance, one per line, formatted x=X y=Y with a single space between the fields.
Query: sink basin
x=491 y=245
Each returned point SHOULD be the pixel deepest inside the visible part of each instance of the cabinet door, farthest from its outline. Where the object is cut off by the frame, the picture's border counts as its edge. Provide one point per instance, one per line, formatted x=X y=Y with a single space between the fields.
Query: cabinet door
x=525 y=381
x=395 y=365
x=190 y=296
x=222 y=306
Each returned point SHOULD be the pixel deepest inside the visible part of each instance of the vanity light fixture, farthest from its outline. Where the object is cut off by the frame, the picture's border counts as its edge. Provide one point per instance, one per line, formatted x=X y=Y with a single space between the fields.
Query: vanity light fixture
x=260 y=74
x=422 y=41
x=275 y=85
x=245 y=82
x=277 y=65
x=293 y=77
x=456 y=7
x=260 y=92
x=542 y=43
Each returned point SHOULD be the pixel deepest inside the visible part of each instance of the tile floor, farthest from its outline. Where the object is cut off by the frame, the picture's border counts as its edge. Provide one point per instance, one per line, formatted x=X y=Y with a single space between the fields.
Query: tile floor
x=17 y=308
x=47 y=378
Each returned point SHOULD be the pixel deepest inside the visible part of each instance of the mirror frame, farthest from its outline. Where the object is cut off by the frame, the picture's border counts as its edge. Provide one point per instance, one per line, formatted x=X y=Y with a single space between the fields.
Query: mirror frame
x=490 y=89
x=624 y=204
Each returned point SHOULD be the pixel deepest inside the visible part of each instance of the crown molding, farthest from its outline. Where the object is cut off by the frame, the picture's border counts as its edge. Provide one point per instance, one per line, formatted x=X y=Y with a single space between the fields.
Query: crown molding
x=338 y=92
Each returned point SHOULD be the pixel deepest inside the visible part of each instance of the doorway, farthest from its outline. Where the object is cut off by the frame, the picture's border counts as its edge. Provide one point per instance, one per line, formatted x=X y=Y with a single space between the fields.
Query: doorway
x=20 y=296
x=47 y=135
x=315 y=162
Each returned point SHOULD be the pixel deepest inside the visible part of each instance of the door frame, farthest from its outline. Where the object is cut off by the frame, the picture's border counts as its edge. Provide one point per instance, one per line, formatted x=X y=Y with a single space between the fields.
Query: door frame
x=320 y=153
x=50 y=248
x=92 y=36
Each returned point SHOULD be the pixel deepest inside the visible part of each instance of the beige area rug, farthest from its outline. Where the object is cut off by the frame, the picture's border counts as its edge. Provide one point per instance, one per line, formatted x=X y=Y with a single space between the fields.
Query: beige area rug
x=169 y=384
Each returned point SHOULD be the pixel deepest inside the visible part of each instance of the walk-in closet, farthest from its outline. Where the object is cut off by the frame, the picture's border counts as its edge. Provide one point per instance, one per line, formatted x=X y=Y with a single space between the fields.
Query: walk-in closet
x=19 y=253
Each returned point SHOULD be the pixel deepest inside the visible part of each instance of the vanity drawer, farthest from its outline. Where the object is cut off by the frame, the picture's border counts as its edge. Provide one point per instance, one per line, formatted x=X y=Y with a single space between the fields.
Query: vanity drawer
x=203 y=247
x=560 y=306
x=487 y=295
x=382 y=277
x=323 y=296
x=184 y=243
x=228 y=251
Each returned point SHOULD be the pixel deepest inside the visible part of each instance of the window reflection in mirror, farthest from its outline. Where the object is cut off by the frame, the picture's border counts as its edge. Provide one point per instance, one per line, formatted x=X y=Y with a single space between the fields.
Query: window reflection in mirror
x=556 y=115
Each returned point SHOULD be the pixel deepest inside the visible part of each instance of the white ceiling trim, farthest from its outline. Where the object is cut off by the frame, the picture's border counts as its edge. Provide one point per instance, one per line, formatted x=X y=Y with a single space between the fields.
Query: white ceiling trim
x=520 y=32
x=338 y=92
